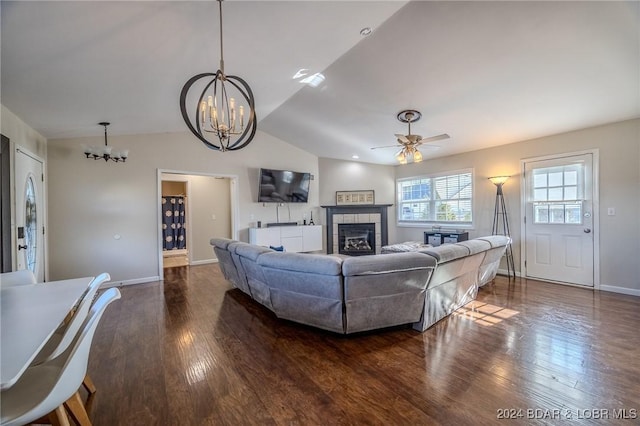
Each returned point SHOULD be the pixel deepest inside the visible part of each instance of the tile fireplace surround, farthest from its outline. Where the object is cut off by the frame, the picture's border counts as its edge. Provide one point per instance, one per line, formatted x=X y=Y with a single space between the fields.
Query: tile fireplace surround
x=373 y=213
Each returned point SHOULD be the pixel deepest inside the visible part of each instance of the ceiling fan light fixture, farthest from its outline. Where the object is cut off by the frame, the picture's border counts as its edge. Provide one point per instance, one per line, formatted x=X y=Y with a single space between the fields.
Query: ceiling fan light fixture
x=417 y=156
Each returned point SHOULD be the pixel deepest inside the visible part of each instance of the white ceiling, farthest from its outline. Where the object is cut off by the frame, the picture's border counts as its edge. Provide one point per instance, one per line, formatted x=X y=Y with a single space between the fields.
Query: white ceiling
x=486 y=73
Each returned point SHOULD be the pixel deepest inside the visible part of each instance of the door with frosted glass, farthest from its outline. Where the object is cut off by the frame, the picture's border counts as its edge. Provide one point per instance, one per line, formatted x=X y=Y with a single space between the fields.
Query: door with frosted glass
x=559 y=226
x=29 y=191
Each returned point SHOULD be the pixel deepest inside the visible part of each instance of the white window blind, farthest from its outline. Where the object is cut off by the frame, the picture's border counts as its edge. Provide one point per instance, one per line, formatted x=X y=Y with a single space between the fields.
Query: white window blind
x=445 y=199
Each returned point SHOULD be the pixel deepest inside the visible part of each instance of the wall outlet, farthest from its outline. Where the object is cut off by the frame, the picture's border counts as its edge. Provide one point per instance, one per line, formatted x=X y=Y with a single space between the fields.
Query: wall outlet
x=611 y=211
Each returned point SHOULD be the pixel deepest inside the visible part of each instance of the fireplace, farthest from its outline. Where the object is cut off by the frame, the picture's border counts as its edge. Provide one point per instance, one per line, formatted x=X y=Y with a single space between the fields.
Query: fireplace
x=356 y=239
x=371 y=216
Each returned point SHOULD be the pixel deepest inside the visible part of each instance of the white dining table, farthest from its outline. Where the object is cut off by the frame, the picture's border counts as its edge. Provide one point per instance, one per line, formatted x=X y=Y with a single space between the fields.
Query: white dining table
x=29 y=315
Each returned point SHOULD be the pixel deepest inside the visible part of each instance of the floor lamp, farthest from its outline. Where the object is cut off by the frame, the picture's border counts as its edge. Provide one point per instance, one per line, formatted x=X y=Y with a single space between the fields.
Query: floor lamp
x=501 y=221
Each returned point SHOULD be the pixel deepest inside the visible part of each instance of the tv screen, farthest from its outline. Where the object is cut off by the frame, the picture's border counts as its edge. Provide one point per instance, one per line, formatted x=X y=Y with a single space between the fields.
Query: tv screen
x=283 y=186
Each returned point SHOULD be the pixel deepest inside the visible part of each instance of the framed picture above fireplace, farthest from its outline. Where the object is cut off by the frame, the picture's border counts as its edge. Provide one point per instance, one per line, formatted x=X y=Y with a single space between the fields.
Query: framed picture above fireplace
x=355 y=197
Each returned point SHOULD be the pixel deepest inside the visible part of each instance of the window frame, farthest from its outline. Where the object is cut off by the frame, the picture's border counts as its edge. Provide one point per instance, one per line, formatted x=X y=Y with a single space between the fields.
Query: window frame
x=444 y=224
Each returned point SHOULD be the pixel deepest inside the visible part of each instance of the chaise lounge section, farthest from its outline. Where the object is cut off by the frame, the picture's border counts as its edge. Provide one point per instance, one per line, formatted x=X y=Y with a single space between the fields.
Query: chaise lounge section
x=354 y=294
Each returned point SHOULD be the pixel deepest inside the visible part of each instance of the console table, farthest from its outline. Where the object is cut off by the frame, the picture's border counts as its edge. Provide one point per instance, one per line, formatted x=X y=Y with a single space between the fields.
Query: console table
x=444 y=237
x=301 y=238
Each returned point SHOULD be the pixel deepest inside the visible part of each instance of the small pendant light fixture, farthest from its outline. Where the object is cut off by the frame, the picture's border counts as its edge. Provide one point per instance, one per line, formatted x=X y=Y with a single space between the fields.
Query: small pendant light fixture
x=215 y=120
x=105 y=152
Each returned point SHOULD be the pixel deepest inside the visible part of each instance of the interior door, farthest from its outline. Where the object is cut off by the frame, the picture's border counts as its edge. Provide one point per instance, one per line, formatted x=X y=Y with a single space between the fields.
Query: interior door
x=29 y=175
x=559 y=226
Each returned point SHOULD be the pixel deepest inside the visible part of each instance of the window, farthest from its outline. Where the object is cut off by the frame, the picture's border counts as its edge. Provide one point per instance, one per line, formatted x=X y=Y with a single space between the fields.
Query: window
x=557 y=194
x=445 y=199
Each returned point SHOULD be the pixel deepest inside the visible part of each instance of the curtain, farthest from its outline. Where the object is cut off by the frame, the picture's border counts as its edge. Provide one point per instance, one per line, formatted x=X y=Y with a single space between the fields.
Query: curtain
x=173 y=222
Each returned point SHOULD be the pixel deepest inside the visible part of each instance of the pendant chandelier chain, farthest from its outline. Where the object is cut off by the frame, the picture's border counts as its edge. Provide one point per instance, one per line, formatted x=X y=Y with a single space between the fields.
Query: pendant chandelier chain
x=221 y=44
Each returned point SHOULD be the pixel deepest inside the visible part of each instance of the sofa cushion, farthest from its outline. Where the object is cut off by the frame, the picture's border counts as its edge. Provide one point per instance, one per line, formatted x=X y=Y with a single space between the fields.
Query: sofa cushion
x=496 y=240
x=381 y=291
x=476 y=245
x=392 y=262
x=447 y=252
x=311 y=263
x=251 y=251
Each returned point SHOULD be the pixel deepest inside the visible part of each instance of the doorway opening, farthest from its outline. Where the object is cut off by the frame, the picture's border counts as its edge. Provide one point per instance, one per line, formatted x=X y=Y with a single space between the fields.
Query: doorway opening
x=175 y=226
x=193 y=208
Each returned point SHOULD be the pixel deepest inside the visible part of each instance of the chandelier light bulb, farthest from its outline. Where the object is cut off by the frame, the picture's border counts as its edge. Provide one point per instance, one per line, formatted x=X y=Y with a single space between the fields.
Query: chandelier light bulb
x=105 y=152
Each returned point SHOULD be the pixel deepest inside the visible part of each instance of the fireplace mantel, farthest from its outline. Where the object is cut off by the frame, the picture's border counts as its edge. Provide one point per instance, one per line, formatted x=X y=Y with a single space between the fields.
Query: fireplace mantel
x=356 y=211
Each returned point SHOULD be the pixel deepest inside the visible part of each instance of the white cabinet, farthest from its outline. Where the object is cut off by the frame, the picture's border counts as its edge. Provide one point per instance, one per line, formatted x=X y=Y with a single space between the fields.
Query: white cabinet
x=292 y=238
x=312 y=238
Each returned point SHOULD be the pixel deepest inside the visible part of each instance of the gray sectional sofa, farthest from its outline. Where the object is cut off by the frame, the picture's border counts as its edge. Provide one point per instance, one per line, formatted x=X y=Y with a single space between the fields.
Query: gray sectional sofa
x=353 y=294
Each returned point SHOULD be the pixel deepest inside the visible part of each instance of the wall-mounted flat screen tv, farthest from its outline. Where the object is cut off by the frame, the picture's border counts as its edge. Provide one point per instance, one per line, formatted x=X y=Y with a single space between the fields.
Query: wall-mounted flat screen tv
x=283 y=186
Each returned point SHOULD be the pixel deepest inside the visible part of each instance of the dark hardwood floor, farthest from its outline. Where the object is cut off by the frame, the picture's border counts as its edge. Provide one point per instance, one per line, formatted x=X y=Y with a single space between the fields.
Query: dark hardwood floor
x=194 y=351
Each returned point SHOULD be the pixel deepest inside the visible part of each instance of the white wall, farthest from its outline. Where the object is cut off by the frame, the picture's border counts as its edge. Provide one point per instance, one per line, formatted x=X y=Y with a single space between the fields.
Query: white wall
x=93 y=201
x=338 y=175
x=619 y=148
x=21 y=134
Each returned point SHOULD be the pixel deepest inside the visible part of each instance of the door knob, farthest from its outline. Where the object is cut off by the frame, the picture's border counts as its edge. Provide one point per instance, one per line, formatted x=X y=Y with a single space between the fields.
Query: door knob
x=587 y=230
x=24 y=247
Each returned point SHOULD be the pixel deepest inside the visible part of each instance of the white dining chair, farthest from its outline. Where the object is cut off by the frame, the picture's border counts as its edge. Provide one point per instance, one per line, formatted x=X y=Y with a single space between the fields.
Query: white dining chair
x=62 y=337
x=43 y=389
x=14 y=278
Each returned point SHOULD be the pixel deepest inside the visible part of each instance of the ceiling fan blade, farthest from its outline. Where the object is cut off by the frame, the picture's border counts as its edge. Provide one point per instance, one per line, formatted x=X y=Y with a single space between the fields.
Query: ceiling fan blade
x=402 y=138
x=388 y=146
x=435 y=138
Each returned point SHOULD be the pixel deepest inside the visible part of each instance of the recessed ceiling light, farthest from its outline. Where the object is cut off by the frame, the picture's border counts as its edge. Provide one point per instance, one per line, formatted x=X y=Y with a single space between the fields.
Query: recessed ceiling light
x=355 y=156
x=365 y=31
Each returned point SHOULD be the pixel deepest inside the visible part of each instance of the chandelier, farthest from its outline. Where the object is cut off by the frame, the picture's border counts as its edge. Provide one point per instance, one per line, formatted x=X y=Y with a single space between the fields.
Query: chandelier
x=217 y=120
x=106 y=152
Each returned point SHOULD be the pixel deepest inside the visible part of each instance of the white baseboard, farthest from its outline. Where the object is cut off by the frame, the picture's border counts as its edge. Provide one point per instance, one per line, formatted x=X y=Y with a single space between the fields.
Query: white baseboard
x=130 y=282
x=204 y=262
x=505 y=272
x=623 y=290
x=611 y=288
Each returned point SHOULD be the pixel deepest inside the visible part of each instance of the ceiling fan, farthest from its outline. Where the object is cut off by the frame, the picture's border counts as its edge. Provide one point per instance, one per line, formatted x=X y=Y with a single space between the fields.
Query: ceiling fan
x=409 y=143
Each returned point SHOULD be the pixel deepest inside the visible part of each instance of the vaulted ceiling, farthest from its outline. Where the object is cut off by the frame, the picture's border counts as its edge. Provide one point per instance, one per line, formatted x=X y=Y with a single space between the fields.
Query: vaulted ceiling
x=486 y=73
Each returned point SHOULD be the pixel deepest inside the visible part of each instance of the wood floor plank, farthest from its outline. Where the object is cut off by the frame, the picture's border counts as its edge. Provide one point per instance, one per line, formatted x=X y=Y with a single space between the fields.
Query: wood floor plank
x=194 y=351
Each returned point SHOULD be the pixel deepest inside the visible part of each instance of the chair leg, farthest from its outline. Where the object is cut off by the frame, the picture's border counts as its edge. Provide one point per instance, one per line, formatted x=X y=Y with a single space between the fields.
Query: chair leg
x=77 y=410
x=88 y=385
x=59 y=417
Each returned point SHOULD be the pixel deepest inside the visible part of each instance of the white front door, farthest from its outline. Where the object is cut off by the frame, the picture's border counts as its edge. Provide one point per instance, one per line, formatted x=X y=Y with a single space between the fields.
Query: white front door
x=559 y=225
x=30 y=213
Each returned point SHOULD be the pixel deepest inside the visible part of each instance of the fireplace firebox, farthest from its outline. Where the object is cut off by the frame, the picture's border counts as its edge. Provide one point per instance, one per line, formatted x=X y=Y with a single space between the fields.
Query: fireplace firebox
x=356 y=215
x=356 y=239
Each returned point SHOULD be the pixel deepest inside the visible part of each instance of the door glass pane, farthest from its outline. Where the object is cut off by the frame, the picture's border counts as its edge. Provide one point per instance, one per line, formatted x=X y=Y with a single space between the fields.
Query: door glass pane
x=573 y=213
x=539 y=180
x=555 y=179
x=556 y=213
x=30 y=224
x=571 y=177
x=541 y=213
x=555 y=194
x=570 y=193
x=540 y=194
